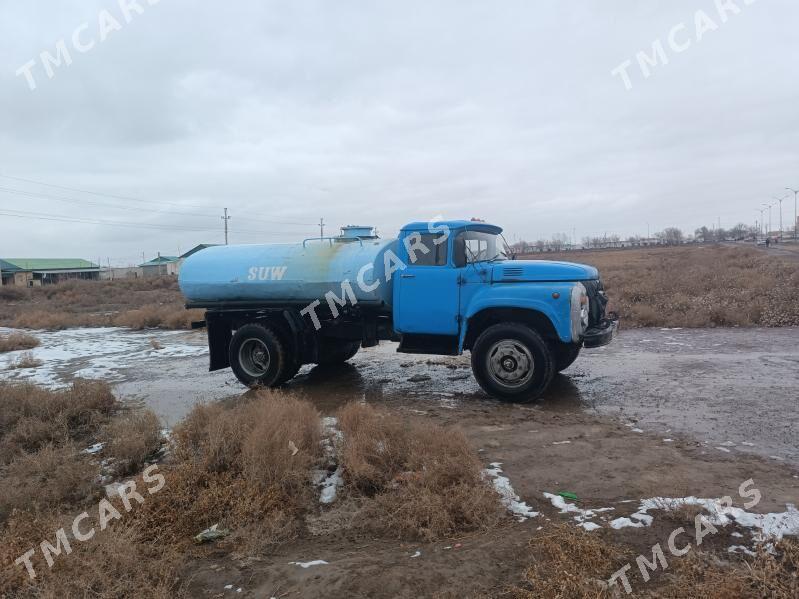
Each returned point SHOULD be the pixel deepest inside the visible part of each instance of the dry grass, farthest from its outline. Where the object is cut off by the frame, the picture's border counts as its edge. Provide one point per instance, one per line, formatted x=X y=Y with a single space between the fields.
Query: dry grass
x=570 y=562
x=25 y=360
x=17 y=341
x=46 y=479
x=701 y=574
x=137 y=303
x=423 y=481
x=235 y=467
x=51 y=478
x=131 y=439
x=33 y=417
x=114 y=563
x=695 y=286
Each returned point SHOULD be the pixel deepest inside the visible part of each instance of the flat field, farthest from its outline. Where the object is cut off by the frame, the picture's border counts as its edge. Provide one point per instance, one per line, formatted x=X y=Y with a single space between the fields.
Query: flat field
x=695 y=286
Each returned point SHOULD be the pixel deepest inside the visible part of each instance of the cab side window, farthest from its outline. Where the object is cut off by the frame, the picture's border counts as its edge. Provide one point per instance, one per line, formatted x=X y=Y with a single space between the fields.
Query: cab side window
x=436 y=245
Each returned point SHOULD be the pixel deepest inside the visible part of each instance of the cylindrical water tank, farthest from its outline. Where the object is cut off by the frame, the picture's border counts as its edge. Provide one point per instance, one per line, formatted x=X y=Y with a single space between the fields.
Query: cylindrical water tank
x=288 y=273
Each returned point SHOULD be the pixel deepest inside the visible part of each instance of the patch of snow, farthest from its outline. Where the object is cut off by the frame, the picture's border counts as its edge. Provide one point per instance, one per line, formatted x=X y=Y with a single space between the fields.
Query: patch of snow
x=96 y=448
x=770 y=526
x=417 y=554
x=747 y=444
x=736 y=534
x=741 y=549
x=724 y=449
x=668 y=440
x=560 y=442
x=582 y=515
x=507 y=495
x=636 y=430
x=330 y=485
x=316 y=562
x=96 y=353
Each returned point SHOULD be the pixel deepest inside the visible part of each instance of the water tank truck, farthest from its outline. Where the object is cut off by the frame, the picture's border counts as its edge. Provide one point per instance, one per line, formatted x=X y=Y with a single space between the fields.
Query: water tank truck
x=438 y=288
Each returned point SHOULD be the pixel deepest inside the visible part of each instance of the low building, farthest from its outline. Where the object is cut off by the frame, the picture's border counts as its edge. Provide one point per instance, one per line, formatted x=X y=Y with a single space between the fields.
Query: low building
x=34 y=272
x=160 y=266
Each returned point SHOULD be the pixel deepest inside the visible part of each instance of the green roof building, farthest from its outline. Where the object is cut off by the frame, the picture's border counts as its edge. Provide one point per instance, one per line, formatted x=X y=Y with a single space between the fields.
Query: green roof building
x=34 y=272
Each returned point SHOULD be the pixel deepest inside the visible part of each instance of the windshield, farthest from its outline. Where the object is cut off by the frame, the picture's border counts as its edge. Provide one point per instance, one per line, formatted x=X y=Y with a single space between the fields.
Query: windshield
x=481 y=247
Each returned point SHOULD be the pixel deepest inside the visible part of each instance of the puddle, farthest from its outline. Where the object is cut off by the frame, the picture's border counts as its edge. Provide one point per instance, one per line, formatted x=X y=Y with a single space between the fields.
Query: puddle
x=727 y=387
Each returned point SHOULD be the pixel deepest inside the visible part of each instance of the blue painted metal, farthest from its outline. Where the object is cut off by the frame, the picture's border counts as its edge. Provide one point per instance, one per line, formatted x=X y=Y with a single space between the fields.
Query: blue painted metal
x=300 y=272
x=424 y=299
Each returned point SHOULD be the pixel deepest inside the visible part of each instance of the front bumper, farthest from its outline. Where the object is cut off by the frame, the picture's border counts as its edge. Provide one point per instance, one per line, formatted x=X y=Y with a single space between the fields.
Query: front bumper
x=603 y=333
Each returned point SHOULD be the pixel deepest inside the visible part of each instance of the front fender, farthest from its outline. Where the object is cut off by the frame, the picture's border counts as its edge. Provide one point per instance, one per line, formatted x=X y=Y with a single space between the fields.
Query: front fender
x=525 y=296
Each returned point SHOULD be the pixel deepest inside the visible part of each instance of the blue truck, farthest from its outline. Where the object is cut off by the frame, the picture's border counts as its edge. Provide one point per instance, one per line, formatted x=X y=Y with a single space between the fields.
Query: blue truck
x=441 y=287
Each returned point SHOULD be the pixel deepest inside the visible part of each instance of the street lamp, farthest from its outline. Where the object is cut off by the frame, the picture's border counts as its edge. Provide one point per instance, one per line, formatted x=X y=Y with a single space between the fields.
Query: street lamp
x=780 y=201
x=795 y=219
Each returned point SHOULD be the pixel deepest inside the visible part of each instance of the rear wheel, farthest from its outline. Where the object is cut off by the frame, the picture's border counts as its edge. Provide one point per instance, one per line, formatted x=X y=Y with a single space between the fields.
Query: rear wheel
x=258 y=356
x=565 y=355
x=336 y=352
x=512 y=362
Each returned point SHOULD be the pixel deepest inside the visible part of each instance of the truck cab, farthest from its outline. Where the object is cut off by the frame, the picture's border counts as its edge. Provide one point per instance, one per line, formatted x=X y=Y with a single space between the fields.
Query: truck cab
x=522 y=320
x=443 y=288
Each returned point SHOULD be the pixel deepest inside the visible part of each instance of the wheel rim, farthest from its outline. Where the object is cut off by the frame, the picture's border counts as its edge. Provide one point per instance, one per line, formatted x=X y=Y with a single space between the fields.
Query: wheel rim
x=254 y=357
x=510 y=363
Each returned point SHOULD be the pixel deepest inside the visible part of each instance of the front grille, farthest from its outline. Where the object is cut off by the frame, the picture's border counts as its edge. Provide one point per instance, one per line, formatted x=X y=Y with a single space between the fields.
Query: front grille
x=597 y=301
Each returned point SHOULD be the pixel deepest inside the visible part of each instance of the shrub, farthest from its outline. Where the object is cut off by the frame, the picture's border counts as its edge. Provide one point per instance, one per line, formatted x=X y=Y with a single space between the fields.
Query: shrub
x=17 y=341
x=33 y=417
x=51 y=477
x=25 y=360
x=423 y=481
x=131 y=439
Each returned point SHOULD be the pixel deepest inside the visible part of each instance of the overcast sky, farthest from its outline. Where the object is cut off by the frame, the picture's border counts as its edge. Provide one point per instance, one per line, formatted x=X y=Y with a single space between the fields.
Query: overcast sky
x=382 y=112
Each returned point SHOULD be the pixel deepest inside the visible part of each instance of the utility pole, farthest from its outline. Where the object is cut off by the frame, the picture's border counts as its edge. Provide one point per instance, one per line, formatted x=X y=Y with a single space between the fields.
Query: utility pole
x=795 y=219
x=225 y=218
x=321 y=228
x=769 y=218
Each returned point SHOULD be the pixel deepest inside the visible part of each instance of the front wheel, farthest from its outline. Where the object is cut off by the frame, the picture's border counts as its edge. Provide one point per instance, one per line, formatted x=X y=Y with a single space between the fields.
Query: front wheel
x=565 y=355
x=512 y=362
x=258 y=356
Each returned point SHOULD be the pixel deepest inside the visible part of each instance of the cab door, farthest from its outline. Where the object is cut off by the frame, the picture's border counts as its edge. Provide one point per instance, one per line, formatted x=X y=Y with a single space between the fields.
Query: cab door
x=428 y=289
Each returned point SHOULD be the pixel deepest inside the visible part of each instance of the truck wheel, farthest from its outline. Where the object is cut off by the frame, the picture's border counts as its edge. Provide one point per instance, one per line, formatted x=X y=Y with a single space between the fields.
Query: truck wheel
x=512 y=362
x=565 y=355
x=337 y=352
x=257 y=356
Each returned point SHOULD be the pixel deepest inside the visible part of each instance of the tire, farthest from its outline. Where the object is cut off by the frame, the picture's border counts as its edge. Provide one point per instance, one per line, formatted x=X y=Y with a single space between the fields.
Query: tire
x=258 y=357
x=565 y=355
x=512 y=362
x=336 y=352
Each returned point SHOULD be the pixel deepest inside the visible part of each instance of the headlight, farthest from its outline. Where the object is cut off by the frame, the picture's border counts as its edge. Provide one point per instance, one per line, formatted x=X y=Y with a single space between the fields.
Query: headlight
x=579 y=311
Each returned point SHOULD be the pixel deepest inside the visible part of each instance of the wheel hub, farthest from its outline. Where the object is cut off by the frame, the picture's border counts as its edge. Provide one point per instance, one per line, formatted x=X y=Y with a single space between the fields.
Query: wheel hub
x=510 y=363
x=254 y=357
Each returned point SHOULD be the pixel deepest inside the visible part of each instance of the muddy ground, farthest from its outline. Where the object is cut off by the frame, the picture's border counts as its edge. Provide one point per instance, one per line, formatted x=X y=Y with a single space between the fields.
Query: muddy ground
x=659 y=413
x=731 y=390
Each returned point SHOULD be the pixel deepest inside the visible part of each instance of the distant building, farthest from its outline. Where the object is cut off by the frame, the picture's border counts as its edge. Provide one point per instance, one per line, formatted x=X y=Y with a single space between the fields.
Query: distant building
x=35 y=272
x=160 y=266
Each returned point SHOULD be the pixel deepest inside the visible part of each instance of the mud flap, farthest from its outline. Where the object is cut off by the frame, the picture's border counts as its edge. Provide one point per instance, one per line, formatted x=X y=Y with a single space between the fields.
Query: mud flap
x=219 y=335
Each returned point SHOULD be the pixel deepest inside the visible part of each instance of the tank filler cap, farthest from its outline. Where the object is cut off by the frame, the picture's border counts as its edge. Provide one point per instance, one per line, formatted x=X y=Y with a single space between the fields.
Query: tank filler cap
x=358 y=232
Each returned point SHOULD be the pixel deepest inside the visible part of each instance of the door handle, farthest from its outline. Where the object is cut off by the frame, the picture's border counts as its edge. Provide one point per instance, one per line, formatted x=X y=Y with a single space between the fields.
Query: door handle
x=408 y=276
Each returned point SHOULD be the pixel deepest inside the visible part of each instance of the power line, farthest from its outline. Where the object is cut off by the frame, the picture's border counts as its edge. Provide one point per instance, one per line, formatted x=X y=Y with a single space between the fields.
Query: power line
x=60 y=218
x=132 y=199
